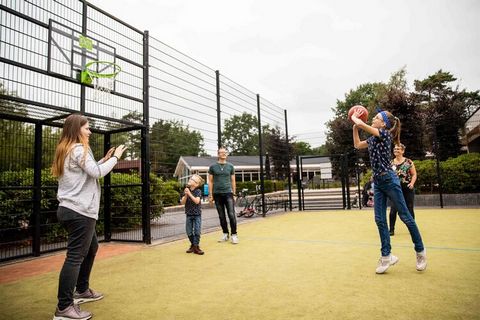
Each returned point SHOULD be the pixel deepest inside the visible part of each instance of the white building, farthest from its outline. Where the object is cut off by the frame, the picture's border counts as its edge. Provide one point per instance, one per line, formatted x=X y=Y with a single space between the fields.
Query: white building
x=247 y=168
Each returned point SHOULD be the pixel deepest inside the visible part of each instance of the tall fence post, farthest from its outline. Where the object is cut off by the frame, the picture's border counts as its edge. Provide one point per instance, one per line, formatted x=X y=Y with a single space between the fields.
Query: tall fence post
x=299 y=184
x=145 y=146
x=260 y=147
x=219 y=113
x=84 y=59
x=37 y=189
x=437 y=163
x=347 y=181
x=107 y=194
x=287 y=162
x=342 y=170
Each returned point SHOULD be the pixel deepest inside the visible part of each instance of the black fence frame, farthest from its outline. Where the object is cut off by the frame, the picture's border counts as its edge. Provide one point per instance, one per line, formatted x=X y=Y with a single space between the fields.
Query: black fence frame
x=125 y=126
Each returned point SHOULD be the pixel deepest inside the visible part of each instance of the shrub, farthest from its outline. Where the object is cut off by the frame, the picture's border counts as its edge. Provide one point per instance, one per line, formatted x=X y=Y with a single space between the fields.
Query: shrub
x=270 y=186
x=459 y=175
x=16 y=205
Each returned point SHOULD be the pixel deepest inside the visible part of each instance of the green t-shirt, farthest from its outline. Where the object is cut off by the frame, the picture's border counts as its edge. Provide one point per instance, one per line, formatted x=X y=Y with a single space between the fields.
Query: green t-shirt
x=222 y=180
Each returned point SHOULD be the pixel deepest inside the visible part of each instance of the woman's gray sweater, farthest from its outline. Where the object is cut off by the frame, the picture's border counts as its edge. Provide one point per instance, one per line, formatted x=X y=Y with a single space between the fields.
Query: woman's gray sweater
x=78 y=187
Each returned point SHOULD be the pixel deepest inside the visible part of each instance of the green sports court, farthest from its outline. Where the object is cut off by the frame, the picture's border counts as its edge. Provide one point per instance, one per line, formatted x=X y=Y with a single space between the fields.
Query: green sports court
x=299 y=265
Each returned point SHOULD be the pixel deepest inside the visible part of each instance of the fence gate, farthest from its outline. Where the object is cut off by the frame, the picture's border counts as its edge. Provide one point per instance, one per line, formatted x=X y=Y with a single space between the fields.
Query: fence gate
x=323 y=183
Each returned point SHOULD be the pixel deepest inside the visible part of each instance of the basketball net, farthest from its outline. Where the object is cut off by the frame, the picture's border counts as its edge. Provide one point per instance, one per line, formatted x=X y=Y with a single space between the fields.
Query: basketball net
x=102 y=76
x=102 y=89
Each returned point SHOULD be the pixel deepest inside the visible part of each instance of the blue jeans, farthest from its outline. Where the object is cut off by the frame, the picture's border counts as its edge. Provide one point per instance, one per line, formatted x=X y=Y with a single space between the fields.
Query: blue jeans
x=222 y=201
x=82 y=247
x=193 y=226
x=388 y=186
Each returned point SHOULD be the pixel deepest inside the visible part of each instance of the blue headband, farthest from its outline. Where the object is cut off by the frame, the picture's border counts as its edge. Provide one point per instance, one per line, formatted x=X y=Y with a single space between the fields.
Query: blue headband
x=385 y=118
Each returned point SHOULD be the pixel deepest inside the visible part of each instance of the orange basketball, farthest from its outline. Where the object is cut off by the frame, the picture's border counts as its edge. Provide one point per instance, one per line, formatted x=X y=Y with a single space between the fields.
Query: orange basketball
x=362 y=109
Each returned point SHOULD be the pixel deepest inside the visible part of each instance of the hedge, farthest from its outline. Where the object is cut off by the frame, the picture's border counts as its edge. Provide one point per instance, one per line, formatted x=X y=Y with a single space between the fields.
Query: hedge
x=459 y=175
x=16 y=204
x=270 y=186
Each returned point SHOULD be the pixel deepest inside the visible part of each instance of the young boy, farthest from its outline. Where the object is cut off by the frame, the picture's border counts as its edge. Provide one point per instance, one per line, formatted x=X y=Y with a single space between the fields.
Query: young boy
x=193 y=209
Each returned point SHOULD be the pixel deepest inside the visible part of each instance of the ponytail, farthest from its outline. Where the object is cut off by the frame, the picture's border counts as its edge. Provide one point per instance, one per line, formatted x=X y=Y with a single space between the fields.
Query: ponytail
x=396 y=128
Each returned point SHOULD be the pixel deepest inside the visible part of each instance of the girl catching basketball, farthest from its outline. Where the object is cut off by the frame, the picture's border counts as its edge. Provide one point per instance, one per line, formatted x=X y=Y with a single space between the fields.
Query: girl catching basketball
x=385 y=128
x=79 y=203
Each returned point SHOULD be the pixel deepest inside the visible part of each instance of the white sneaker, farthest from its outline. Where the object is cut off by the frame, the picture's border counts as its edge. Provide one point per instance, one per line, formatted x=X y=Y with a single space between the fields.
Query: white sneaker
x=421 y=260
x=224 y=238
x=234 y=239
x=385 y=262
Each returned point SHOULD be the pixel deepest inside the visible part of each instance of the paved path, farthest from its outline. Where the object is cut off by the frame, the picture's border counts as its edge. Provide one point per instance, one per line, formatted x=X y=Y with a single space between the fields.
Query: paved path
x=21 y=269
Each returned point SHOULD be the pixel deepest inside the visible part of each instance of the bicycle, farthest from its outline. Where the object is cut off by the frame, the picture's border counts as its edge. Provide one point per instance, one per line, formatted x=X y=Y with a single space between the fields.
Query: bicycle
x=249 y=206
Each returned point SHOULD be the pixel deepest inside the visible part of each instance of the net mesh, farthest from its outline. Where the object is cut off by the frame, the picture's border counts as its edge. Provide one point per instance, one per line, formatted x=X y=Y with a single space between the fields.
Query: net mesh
x=102 y=75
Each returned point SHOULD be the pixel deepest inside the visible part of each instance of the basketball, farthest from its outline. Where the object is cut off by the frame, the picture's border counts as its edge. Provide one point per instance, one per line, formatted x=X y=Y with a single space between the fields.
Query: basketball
x=363 y=116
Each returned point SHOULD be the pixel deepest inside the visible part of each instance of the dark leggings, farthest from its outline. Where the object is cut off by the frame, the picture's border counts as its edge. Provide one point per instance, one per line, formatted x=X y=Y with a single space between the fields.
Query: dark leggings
x=409 y=195
x=81 y=250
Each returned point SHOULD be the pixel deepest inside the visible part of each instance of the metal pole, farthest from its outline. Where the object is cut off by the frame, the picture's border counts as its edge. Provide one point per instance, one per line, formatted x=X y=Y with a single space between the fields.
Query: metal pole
x=260 y=146
x=342 y=167
x=84 y=59
x=299 y=184
x=287 y=162
x=359 y=197
x=437 y=161
x=107 y=194
x=219 y=114
x=145 y=146
x=37 y=190
x=347 y=181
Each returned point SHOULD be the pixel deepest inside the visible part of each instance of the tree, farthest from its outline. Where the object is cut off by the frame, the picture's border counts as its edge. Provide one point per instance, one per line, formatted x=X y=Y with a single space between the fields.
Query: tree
x=301 y=148
x=320 y=151
x=240 y=135
x=18 y=138
x=339 y=134
x=280 y=152
x=169 y=140
x=397 y=100
x=446 y=110
x=134 y=138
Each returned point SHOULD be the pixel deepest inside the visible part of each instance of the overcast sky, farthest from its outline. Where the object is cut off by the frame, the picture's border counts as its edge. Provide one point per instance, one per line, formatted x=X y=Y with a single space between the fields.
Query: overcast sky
x=304 y=55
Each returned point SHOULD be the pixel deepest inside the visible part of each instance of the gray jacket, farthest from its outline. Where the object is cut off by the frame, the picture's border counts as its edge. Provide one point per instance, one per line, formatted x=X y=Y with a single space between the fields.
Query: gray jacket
x=78 y=187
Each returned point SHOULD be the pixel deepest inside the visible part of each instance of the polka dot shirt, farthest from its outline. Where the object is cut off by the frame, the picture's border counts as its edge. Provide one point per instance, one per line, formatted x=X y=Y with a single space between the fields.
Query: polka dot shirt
x=380 y=152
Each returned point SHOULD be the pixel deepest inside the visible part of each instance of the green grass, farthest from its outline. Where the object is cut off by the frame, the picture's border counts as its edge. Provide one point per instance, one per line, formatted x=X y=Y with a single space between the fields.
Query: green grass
x=313 y=265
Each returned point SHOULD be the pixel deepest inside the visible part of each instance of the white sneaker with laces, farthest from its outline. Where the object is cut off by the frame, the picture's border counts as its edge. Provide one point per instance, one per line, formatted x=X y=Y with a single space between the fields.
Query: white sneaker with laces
x=385 y=262
x=234 y=239
x=421 y=260
x=224 y=238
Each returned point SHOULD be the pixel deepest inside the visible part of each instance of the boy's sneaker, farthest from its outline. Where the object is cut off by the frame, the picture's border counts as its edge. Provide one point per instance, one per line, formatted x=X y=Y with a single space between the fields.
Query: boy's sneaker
x=385 y=262
x=234 y=239
x=87 y=296
x=421 y=260
x=224 y=238
x=72 y=312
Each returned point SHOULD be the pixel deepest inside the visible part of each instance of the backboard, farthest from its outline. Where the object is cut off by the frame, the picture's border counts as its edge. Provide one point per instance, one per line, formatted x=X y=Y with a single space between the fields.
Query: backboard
x=69 y=51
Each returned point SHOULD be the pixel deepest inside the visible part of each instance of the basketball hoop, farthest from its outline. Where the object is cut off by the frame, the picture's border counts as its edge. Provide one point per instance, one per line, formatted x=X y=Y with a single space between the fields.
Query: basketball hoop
x=102 y=75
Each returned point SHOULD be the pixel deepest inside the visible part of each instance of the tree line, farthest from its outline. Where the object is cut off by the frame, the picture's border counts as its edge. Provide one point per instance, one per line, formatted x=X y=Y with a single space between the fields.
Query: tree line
x=432 y=114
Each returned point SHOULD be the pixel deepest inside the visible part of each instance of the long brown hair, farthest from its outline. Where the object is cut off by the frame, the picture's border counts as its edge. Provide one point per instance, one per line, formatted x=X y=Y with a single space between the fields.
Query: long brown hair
x=71 y=135
x=396 y=127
